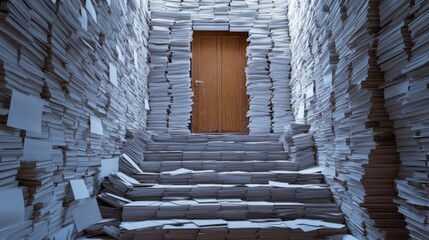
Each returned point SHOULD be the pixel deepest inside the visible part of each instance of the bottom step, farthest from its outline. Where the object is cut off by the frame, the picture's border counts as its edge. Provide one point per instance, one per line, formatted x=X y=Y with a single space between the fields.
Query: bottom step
x=216 y=229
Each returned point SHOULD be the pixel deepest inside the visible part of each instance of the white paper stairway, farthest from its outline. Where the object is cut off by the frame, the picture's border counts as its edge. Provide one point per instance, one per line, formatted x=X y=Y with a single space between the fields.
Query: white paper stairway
x=225 y=187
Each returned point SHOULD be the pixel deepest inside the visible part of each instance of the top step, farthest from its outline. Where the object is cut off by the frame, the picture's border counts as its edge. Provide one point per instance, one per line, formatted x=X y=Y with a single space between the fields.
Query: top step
x=215 y=146
x=223 y=137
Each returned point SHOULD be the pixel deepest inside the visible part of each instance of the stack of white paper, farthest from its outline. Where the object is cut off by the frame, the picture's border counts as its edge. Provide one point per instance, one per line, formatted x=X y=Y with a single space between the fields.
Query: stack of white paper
x=258 y=82
x=218 y=229
x=169 y=80
x=299 y=144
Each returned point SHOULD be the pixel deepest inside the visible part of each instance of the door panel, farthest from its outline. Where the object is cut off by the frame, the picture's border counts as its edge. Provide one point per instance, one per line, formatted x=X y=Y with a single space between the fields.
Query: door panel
x=218 y=76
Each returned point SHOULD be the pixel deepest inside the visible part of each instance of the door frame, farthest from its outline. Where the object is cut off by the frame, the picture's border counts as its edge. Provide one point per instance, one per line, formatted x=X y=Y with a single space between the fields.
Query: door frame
x=195 y=71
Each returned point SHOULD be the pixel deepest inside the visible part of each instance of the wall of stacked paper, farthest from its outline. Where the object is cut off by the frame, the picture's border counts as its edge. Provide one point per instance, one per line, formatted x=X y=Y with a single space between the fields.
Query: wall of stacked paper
x=403 y=57
x=73 y=82
x=358 y=80
x=268 y=65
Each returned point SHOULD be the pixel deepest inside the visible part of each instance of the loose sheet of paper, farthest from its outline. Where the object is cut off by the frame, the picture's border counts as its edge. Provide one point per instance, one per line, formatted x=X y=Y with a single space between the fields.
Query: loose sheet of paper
x=113 y=74
x=86 y=215
x=96 y=126
x=83 y=18
x=37 y=149
x=109 y=166
x=120 y=56
x=136 y=64
x=91 y=9
x=80 y=191
x=146 y=104
x=25 y=112
x=12 y=208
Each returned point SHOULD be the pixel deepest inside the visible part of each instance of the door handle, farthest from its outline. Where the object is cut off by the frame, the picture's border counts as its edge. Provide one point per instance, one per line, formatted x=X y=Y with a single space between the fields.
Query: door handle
x=197 y=82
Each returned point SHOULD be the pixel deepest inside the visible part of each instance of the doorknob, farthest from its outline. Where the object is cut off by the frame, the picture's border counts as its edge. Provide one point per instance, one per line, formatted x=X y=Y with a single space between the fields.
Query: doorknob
x=197 y=82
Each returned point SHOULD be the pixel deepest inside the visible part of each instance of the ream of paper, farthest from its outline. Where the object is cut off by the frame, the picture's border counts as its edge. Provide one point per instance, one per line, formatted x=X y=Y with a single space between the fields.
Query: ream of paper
x=26 y=112
x=12 y=209
x=80 y=191
x=397 y=89
x=113 y=74
x=146 y=104
x=96 y=126
x=109 y=166
x=36 y=149
x=83 y=18
x=91 y=9
x=86 y=215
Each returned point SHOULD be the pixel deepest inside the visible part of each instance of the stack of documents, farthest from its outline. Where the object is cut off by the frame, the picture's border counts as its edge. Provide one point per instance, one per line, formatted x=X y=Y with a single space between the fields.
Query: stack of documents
x=403 y=57
x=258 y=82
x=169 y=79
x=299 y=144
x=340 y=51
x=231 y=230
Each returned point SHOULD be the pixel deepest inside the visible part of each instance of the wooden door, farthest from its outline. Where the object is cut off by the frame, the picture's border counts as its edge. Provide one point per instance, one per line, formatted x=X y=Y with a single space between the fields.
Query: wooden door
x=219 y=82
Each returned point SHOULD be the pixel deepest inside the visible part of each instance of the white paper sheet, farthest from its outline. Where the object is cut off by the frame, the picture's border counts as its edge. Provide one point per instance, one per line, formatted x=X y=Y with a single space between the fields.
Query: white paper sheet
x=83 y=18
x=91 y=9
x=135 y=4
x=25 y=112
x=86 y=215
x=80 y=191
x=136 y=64
x=109 y=166
x=146 y=104
x=209 y=222
x=144 y=224
x=64 y=233
x=37 y=149
x=120 y=56
x=113 y=74
x=96 y=126
x=12 y=208
x=178 y=171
